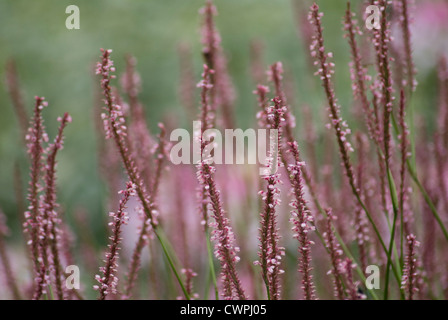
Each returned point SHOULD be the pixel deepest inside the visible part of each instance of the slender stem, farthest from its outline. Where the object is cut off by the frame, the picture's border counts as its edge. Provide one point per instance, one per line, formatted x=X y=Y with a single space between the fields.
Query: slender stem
x=413 y=173
x=267 y=288
x=427 y=199
x=50 y=292
x=392 y=236
x=211 y=264
x=401 y=238
x=397 y=276
x=171 y=263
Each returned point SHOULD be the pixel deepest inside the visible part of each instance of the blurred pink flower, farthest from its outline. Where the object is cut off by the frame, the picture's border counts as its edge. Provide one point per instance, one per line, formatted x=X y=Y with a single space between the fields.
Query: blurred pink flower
x=429 y=33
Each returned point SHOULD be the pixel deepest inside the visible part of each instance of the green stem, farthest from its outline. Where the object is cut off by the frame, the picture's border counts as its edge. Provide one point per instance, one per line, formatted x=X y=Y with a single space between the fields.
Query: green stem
x=413 y=173
x=267 y=289
x=428 y=200
x=394 y=198
x=207 y=285
x=211 y=264
x=171 y=262
x=394 y=269
x=412 y=131
x=50 y=290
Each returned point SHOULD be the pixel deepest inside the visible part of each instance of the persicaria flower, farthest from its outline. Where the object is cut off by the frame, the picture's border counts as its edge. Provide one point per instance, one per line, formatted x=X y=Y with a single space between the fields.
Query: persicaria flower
x=109 y=279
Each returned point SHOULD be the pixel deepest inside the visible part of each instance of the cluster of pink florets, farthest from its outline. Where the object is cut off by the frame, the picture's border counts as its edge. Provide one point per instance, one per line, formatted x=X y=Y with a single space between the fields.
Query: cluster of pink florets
x=381 y=42
x=325 y=71
x=352 y=28
x=114 y=115
x=410 y=274
x=108 y=281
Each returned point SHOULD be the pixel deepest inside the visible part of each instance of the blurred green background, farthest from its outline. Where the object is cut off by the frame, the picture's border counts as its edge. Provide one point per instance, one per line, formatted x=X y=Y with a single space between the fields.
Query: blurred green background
x=57 y=63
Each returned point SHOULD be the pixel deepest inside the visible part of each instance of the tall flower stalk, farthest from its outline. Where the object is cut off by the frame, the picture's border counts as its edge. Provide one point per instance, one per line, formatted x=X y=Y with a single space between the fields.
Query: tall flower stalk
x=222 y=234
x=405 y=22
x=115 y=127
x=360 y=223
x=222 y=94
x=114 y=124
x=358 y=71
x=276 y=75
x=35 y=137
x=41 y=219
x=341 y=129
x=410 y=273
x=109 y=279
x=335 y=255
x=301 y=216
x=303 y=222
x=145 y=228
x=52 y=221
x=325 y=72
x=381 y=42
x=140 y=139
x=270 y=252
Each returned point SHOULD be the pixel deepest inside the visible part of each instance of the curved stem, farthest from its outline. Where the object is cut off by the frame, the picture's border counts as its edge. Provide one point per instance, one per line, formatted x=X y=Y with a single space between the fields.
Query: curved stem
x=413 y=173
x=171 y=262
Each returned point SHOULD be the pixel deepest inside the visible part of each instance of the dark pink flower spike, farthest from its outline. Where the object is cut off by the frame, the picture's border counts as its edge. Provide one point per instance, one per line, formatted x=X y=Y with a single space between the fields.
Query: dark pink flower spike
x=410 y=271
x=405 y=23
x=381 y=40
x=109 y=279
x=115 y=127
x=302 y=220
x=222 y=94
x=35 y=138
x=270 y=252
x=51 y=221
x=225 y=249
x=145 y=228
x=358 y=72
x=335 y=255
x=325 y=71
